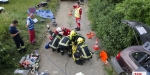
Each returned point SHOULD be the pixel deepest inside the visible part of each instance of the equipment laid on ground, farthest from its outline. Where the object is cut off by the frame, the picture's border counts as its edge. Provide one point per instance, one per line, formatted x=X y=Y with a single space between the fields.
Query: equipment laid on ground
x=21 y=72
x=42 y=73
x=30 y=62
x=42 y=4
x=54 y=22
x=1 y=9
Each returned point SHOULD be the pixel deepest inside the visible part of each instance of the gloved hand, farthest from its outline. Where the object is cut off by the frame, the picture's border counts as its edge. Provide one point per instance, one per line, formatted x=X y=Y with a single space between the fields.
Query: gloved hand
x=48 y=27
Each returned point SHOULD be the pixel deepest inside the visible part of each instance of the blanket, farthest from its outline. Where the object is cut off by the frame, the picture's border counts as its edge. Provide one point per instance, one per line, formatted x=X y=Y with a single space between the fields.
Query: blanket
x=45 y=14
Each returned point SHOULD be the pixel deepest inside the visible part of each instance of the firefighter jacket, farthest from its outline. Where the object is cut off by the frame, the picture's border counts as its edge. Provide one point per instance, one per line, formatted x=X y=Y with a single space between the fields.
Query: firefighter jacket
x=55 y=41
x=52 y=34
x=83 y=49
x=65 y=41
x=75 y=38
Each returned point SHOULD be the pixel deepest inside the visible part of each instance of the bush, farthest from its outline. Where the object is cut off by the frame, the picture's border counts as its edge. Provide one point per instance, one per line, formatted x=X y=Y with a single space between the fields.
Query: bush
x=106 y=21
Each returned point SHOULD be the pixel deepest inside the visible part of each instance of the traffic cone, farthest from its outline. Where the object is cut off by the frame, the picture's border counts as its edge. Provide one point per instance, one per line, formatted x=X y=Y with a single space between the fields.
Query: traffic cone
x=92 y=34
x=89 y=36
x=96 y=47
x=70 y=13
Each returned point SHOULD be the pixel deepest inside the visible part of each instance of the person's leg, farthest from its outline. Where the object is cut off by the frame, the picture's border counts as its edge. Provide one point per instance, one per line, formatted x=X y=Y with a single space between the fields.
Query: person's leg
x=30 y=36
x=78 y=24
x=69 y=51
x=34 y=40
x=17 y=42
x=22 y=45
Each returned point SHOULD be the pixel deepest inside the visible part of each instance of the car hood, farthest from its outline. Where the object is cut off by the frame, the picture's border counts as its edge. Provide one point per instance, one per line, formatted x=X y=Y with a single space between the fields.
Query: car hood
x=142 y=29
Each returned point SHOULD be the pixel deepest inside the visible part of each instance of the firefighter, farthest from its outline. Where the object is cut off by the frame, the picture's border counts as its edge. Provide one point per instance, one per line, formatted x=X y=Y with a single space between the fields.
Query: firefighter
x=55 y=40
x=83 y=52
x=57 y=31
x=65 y=44
x=74 y=36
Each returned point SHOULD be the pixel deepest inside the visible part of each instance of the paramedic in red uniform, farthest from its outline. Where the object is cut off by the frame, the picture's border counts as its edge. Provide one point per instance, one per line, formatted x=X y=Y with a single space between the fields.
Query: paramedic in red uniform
x=77 y=14
x=63 y=30
x=30 y=26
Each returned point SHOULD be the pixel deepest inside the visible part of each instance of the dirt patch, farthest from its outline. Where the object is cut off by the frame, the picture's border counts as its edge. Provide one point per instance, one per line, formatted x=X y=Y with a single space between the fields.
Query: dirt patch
x=55 y=63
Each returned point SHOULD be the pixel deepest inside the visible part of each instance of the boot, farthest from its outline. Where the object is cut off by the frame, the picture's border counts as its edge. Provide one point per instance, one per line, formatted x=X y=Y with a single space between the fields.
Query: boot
x=24 y=50
x=77 y=29
x=20 y=51
x=58 y=50
x=62 y=53
x=69 y=55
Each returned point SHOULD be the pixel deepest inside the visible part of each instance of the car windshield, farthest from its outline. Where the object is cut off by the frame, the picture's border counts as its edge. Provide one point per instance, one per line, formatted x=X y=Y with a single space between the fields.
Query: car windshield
x=143 y=59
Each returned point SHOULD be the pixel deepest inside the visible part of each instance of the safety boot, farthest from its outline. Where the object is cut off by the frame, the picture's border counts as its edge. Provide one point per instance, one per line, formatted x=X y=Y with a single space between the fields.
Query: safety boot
x=20 y=51
x=24 y=50
x=62 y=53
x=77 y=29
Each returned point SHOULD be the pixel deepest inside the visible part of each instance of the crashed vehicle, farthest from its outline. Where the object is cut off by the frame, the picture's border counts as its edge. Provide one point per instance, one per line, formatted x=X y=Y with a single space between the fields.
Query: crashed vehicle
x=134 y=58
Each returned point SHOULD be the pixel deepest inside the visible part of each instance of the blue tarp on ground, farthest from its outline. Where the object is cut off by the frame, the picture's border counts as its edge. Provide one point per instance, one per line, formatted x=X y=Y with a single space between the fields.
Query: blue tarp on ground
x=45 y=14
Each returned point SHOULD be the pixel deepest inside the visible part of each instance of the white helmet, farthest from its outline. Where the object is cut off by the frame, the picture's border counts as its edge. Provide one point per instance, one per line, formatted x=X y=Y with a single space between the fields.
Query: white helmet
x=58 y=29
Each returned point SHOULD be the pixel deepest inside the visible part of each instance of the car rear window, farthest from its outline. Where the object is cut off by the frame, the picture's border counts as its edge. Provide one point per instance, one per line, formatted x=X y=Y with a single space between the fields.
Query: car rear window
x=143 y=59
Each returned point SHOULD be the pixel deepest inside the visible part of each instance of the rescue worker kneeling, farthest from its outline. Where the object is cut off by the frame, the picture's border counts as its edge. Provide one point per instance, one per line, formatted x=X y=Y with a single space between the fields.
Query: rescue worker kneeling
x=55 y=41
x=74 y=36
x=83 y=52
x=65 y=44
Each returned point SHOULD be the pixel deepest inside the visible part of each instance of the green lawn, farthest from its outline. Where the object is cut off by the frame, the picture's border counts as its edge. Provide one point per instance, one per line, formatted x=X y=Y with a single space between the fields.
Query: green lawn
x=17 y=9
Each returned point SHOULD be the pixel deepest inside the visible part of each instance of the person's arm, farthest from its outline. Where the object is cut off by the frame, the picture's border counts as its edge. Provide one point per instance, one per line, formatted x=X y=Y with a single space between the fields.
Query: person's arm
x=13 y=35
x=28 y=23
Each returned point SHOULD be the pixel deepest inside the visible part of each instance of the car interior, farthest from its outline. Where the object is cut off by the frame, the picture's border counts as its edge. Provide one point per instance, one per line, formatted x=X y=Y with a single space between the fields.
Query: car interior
x=143 y=59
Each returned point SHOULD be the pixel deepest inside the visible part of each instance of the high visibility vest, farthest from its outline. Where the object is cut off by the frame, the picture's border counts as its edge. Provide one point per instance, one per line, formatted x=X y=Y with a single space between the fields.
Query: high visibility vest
x=77 y=14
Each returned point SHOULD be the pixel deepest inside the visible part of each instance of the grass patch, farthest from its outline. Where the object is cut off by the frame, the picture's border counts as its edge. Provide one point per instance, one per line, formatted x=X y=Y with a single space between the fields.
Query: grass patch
x=17 y=9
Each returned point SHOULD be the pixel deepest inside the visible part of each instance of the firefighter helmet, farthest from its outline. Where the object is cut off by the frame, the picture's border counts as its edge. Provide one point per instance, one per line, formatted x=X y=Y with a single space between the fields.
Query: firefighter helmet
x=72 y=33
x=80 y=40
x=58 y=29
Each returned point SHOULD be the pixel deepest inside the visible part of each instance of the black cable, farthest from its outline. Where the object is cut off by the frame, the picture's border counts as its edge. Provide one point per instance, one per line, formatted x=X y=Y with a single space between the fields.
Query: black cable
x=52 y=61
x=66 y=65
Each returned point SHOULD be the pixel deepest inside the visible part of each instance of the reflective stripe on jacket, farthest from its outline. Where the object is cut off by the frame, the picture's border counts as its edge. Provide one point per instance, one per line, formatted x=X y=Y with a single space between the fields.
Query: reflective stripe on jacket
x=83 y=49
x=65 y=41
x=54 y=43
x=77 y=14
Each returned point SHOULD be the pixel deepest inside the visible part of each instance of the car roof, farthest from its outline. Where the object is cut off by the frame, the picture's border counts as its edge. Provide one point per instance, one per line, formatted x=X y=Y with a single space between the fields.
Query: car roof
x=142 y=29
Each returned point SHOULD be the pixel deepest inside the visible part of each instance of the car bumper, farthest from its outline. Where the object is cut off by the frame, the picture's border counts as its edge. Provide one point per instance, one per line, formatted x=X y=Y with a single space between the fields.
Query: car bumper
x=116 y=66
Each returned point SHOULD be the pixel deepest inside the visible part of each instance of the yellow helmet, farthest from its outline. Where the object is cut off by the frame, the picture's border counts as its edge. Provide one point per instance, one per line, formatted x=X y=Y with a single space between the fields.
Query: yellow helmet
x=72 y=33
x=80 y=40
